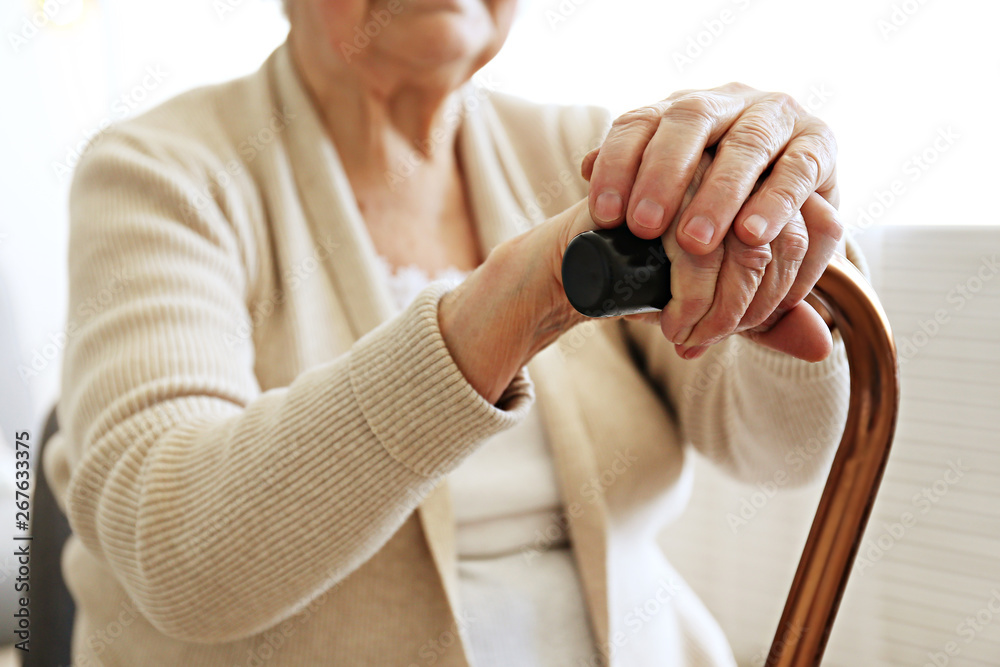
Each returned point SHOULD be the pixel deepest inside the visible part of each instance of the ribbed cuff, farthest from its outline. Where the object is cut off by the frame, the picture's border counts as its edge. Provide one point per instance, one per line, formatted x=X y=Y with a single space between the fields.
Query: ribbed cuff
x=415 y=398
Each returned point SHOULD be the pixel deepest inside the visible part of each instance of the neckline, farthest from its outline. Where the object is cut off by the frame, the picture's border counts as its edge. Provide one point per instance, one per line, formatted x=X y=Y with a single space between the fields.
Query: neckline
x=332 y=211
x=416 y=270
x=404 y=282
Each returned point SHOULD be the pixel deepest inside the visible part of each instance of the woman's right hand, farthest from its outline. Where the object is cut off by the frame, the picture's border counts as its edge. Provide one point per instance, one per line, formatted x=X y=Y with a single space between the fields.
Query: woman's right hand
x=513 y=305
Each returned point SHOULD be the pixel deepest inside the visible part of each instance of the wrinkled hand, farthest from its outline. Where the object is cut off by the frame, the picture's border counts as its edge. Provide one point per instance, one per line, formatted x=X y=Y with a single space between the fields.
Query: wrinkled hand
x=748 y=233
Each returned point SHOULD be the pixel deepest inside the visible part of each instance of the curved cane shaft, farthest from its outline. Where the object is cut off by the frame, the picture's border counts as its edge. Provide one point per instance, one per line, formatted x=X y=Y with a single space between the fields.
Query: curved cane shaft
x=855 y=473
x=595 y=267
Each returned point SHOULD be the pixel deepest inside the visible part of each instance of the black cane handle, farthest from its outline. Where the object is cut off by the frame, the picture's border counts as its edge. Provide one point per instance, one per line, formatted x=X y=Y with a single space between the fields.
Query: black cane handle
x=612 y=272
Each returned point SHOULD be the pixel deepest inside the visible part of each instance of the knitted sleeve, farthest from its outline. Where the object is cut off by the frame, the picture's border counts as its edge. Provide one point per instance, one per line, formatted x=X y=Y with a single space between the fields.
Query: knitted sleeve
x=223 y=509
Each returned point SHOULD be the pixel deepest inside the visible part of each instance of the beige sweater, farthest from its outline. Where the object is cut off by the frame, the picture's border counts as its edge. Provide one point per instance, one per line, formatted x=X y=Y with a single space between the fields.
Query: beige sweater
x=254 y=452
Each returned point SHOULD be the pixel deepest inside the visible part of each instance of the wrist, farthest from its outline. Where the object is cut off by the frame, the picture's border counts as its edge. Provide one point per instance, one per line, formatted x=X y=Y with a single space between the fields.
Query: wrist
x=536 y=257
x=511 y=307
x=484 y=329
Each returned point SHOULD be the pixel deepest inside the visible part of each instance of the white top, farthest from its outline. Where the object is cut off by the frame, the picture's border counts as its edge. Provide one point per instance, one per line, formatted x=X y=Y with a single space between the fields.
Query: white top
x=522 y=601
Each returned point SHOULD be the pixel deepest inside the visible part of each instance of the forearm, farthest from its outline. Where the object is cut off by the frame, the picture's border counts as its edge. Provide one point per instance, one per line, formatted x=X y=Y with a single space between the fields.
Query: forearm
x=767 y=414
x=751 y=410
x=179 y=488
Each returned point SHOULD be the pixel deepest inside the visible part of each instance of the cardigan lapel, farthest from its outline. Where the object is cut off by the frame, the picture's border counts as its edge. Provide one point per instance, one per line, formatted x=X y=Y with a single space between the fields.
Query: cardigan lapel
x=576 y=468
x=330 y=205
x=500 y=193
x=332 y=211
x=497 y=187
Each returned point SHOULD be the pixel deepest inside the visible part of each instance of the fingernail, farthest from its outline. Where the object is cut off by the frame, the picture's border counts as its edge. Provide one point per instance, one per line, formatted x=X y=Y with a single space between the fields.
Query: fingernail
x=694 y=352
x=608 y=206
x=756 y=225
x=648 y=214
x=700 y=229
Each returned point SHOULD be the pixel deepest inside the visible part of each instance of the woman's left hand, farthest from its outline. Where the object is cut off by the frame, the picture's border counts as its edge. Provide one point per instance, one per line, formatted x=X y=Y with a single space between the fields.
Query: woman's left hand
x=754 y=247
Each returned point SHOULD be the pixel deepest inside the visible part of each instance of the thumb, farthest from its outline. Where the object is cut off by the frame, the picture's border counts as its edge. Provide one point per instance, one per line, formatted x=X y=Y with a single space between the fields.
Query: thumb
x=801 y=333
x=574 y=220
x=587 y=166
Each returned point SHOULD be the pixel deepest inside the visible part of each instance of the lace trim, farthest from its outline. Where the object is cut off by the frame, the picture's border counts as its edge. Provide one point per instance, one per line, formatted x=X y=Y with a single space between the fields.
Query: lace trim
x=406 y=282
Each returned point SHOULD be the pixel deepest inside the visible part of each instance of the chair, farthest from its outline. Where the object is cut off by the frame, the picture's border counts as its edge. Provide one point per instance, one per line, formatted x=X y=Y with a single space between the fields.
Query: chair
x=51 y=606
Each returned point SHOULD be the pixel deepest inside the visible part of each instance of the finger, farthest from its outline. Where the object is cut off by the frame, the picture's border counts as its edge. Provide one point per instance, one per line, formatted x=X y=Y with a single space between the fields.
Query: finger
x=572 y=222
x=733 y=88
x=743 y=269
x=824 y=228
x=615 y=166
x=805 y=166
x=770 y=302
x=587 y=166
x=692 y=277
x=755 y=139
x=693 y=281
x=689 y=125
x=671 y=157
x=801 y=332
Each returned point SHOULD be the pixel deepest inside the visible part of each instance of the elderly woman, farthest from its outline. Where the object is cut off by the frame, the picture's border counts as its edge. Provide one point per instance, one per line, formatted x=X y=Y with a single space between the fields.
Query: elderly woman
x=288 y=441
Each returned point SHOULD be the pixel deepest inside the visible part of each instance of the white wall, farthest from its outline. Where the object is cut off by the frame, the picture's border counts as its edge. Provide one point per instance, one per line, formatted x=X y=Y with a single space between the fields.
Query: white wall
x=90 y=63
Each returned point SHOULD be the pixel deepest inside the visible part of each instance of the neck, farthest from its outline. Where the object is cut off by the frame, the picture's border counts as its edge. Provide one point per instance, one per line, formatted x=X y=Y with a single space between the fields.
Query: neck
x=382 y=125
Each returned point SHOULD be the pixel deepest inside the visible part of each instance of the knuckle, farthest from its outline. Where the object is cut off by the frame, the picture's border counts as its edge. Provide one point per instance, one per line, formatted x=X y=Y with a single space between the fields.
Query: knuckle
x=643 y=116
x=657 y=169
x=825 y=136
x=793 y=243
x=753 y=259
x=721 y=321
x=786 y=103
x=692 y=309
x=818 y=145
x=785 y=196
x=736 y=86
x=753 y=139
x=694 y=292
x=733 y=184
x=805 y=163
x=698 y=108
x=698 y=283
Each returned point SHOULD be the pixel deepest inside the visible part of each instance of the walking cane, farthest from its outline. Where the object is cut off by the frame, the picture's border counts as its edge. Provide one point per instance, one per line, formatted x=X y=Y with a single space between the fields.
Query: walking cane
x=596 y=265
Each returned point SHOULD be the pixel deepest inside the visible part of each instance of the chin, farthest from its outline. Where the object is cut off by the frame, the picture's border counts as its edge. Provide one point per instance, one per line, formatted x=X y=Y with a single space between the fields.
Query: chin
x=440 y=37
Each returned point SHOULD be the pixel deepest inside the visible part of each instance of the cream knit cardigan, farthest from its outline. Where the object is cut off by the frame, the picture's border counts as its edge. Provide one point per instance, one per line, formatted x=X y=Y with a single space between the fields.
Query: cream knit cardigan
x=254 y=450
